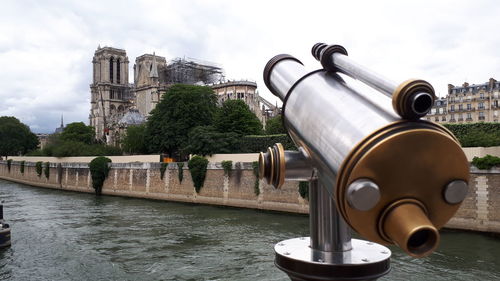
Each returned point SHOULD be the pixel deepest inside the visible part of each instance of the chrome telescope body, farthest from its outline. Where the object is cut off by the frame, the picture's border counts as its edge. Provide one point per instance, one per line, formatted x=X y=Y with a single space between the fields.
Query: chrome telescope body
x=373 y=168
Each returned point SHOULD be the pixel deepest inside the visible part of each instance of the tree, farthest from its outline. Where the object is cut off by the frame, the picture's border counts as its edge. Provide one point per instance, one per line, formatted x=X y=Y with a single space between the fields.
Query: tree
x=133 y=141
x=181 y=108
x=274 y=126
x=15 y=137
x=78 y=132
x=236 y=117
x=205 y=140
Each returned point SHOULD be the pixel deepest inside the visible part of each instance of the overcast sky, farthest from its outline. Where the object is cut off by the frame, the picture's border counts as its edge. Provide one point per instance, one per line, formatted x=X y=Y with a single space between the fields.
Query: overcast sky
x=46 y=47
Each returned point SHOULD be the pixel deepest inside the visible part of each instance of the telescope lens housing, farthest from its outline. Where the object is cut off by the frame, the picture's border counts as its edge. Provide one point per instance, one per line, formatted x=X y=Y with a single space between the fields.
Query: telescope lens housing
x=349 y=138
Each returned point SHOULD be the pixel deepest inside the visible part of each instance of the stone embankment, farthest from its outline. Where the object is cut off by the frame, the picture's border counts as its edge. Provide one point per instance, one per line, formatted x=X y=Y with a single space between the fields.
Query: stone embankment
x=480 y=211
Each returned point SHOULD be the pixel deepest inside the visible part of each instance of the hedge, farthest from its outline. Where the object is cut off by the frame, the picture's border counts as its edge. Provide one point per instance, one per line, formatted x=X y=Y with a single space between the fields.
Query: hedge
x=304 y=189
x=257 y=143
x=180 y=171
x=163 y=168
x=198 y=167
x=38 y=167
x=487 y=162
x=99 y=171
x=46 y=169
x=227 y=166
x=255 y=166
x=476 y=134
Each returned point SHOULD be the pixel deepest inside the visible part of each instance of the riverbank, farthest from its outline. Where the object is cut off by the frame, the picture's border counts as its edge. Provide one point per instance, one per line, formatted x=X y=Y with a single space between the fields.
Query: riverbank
x=479 y=212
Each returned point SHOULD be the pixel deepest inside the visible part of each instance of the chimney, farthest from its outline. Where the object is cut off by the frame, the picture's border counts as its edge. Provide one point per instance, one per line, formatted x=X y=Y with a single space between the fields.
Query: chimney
x=450 y=87
x=491 y=84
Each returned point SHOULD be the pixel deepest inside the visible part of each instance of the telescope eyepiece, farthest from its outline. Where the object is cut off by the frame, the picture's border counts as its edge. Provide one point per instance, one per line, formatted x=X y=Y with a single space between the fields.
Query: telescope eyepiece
x=421 y=103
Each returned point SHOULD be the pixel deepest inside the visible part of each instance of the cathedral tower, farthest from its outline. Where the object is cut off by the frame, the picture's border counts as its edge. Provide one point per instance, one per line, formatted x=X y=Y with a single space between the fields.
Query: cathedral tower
x=110 y=90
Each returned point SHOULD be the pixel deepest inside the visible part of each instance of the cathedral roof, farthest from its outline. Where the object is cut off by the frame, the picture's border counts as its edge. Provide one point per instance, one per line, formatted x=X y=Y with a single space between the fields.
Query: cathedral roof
x=132 y=117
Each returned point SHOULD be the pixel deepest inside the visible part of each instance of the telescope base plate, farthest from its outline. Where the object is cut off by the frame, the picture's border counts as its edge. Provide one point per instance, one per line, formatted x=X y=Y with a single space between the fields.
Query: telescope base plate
x=366 y=261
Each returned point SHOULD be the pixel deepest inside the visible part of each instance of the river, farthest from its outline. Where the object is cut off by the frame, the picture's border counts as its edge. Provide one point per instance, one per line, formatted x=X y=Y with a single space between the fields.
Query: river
x=61 y=235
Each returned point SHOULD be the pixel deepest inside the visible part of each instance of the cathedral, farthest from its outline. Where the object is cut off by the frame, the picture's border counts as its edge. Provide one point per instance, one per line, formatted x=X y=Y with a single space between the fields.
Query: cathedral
x=116 y=104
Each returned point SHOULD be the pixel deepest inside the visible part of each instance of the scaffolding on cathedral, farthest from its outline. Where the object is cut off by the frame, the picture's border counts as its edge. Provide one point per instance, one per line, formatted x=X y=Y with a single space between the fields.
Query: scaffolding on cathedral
x=191 y=71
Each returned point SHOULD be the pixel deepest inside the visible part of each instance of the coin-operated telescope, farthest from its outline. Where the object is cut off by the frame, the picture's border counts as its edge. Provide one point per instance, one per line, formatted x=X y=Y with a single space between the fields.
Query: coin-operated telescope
x=373 y=166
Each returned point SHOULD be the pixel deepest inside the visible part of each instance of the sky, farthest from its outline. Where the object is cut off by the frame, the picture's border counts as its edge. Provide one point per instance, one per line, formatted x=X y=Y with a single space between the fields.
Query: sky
x=46 y=47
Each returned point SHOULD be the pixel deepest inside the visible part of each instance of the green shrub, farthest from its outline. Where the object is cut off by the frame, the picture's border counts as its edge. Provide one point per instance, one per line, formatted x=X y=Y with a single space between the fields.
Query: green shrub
x=59 y=172
x=487 y=162
x=38 y=167
x=9 y=164
x=255 y=144
x=255 y=166
x=198 y=168
x=21 y=167
x=227 y=166
x=476 y=134
x=180 y=172
x=163 y=168
x=304 y=189
x=238 y=172
x=99 y=169
x=46 y=169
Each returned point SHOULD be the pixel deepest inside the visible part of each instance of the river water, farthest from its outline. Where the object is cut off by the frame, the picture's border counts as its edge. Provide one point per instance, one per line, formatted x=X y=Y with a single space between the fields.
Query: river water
x=58 y=235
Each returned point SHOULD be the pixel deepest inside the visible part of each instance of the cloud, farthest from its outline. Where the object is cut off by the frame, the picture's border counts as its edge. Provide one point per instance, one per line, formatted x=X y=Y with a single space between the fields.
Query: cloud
x=46 y=48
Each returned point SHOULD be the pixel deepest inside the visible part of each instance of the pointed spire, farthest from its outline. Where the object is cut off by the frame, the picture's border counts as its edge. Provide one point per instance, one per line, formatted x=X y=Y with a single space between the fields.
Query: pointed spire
x=154 y=68
x=99 y=47
x=62 y=122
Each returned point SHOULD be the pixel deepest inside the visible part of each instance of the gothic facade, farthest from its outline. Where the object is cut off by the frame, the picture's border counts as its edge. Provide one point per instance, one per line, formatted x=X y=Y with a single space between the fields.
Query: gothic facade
x=114 y=100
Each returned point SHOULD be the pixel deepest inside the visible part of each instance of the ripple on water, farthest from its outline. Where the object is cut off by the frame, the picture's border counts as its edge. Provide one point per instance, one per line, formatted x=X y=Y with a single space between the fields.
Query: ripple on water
x=61 y=235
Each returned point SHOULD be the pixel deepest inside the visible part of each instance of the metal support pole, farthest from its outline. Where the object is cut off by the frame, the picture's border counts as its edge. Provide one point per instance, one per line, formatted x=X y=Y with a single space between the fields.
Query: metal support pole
x=329 y=232
x=330 y=253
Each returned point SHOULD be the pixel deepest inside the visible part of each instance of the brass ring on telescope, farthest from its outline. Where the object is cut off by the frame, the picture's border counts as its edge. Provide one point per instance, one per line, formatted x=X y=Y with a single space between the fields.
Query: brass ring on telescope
x=262 y=163
x=271 y=166
x=402 y=94
x=281 y=165
x=406 y=159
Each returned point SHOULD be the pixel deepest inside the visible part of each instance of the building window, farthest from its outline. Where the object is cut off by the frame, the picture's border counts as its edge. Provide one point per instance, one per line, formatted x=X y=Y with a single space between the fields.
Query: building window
x=495 y=103
x=452 y=108
x=481 y=115
x=481 y=105
x=469 y=116
x=460 y=107
x=118 y=71
x=481 y=96
x=469 y=106
x=443 y=118
x=111 y=69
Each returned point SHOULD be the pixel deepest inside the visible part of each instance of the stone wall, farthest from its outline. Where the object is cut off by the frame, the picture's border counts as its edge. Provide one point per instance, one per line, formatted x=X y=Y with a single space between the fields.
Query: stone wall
x=480 y=211
x=144 y=180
